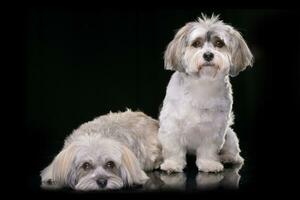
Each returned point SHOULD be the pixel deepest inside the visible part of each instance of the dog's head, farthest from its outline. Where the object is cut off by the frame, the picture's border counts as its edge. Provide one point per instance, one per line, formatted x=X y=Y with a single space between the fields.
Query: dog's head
x=93 y=164
x=208 y=48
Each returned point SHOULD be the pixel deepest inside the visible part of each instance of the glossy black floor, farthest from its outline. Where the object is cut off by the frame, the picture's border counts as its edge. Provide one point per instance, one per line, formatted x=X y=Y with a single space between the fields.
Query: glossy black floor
x=192 y=180
x=234 y=177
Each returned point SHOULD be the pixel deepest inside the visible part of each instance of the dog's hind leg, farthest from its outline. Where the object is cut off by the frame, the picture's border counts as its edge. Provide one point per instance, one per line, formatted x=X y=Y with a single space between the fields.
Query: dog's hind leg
x=230 y=152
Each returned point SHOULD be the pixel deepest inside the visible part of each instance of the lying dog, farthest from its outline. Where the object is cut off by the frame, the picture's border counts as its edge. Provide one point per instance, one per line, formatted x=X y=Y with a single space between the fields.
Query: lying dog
x=109 y=152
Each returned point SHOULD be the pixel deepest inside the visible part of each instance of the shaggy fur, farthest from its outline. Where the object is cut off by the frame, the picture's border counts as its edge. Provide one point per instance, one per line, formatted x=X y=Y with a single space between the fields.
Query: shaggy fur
x=109 y=152
x=197 y=110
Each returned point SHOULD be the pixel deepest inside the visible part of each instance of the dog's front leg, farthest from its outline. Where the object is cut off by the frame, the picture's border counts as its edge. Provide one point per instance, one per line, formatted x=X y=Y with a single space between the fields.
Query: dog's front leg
x=208 y=159
x=173 y=153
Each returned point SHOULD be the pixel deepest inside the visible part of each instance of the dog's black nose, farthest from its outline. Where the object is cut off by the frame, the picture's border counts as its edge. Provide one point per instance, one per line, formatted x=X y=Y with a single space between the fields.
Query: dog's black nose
x=102 y=182
x=208 y=56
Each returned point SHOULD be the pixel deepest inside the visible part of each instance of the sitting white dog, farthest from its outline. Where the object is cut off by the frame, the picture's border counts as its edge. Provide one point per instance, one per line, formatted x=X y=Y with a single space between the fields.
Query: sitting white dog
x=109 y=152
x=196 y=115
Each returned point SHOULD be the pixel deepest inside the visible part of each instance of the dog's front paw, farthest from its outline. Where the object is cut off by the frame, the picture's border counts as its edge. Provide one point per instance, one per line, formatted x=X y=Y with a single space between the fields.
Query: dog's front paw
x=209 y=165
x=229 y=158
x=171 y=166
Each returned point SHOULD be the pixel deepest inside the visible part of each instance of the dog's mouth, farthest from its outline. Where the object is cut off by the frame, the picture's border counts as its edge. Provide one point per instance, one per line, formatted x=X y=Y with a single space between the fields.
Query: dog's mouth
x=208 y=64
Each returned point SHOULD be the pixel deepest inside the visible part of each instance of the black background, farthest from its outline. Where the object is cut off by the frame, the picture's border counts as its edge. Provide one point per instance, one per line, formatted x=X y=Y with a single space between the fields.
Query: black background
x=82 y=63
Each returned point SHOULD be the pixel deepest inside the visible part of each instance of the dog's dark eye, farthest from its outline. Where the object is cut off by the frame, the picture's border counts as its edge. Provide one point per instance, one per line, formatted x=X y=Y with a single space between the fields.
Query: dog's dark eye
x=110 y=164
x=197 y=44
x=86 y=166
x=219 y=43
x=49 y=182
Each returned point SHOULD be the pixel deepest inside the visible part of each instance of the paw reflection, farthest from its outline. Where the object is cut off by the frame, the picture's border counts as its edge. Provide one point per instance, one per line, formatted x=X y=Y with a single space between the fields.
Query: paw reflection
x=161 y=180
x=154 y=182
x=174 y=181
x=208 y=180
x=227 y=179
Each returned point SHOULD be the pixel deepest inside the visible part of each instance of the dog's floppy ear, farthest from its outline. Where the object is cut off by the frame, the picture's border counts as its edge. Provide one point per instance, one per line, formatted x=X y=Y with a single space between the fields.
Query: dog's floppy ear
x=56 y=174
x=241 y=54
x=131 y=170
x=175 y=49
x=47 y=177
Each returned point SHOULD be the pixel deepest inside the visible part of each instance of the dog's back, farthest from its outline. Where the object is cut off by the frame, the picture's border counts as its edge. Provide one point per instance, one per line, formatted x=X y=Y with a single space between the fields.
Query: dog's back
x=136 y=130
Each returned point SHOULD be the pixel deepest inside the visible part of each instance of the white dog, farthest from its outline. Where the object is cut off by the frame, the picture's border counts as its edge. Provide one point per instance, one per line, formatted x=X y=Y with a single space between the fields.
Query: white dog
x=196 y=114
x=109 y=152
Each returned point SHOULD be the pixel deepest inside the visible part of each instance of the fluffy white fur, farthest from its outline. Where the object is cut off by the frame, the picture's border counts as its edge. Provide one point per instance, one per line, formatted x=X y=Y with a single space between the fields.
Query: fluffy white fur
x=109 y=152
x=197 y=110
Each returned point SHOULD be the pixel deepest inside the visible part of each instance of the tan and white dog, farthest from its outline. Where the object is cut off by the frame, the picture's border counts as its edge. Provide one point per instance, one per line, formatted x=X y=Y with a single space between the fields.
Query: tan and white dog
x=197 y=110
x=110 y=152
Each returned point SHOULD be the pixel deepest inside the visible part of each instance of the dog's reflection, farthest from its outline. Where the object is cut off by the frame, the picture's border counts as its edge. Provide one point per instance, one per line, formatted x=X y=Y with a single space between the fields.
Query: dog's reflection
x=161 y=180
x=228 y=179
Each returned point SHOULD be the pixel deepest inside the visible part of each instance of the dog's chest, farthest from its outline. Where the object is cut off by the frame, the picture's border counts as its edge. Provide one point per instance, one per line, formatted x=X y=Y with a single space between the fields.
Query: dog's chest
x=201 y=106
x=204 y=98
x=197 y=125
x=197 y=118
